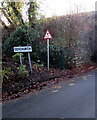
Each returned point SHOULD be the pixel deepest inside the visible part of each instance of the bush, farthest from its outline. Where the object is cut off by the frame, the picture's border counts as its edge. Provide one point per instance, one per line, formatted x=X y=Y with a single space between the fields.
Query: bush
x=23 y=71
x=94 y=57
x=23 y=35
x=59 y=57
x=6 y=72
x=16 y=57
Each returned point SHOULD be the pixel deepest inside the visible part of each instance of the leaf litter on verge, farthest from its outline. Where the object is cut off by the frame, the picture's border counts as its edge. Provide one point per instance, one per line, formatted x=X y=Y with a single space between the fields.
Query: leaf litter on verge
x=71 y=84
x=55 y=91
x=56 y=87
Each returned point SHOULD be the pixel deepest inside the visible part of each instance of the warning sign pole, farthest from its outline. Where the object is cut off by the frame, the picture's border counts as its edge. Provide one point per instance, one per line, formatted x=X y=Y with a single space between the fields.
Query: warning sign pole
x=47 y=36
x=48 y=53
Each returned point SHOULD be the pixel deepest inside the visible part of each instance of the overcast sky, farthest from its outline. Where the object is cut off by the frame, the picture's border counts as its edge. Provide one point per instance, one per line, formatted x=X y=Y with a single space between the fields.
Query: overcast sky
x=61 y=7
x=51 y=8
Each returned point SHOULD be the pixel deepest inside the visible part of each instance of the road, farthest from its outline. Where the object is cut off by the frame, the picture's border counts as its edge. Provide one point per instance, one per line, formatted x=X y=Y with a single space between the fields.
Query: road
x=74 y=98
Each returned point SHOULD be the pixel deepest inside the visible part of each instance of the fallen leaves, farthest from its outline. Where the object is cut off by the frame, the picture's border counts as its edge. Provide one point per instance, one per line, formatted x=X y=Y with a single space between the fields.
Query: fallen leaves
x=85 y=78
x=91 y=67
x=55 y=91
x=56 y=87
x=89 y=75
x=42 y=78
x=71 y=84
x=72 y=80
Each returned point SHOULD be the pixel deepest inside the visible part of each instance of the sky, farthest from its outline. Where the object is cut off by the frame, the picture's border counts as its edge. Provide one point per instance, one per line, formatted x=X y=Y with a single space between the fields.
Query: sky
x=51 y=8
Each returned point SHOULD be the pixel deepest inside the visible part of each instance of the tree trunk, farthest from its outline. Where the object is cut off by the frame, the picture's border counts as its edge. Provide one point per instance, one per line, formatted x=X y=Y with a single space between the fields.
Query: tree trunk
x=4 y=25
x=17 y=13
x=6 y=16
x=31 y=13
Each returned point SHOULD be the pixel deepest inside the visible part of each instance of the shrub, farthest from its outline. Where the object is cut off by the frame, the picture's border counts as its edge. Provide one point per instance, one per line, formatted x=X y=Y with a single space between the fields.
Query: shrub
x=23 y=71
x=16 y=56
x=37 y=66
x=6 y=72
x=23 y=35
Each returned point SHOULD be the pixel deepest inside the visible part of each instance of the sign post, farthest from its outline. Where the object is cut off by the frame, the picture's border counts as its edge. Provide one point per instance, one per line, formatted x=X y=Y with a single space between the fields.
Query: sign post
x=48 y=53
x=27 y=49
x=21 y=58
x=47 y=36
x=30 y=62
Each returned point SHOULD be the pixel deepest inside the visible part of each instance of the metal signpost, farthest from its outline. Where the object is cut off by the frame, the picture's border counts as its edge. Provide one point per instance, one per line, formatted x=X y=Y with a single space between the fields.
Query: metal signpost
x=21 y=58
x=27 y=49
x=48 y=36
x=30 y=62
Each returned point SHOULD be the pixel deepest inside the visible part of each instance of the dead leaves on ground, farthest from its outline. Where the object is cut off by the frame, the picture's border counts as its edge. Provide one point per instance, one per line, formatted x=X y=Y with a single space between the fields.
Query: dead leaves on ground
x=41 y=79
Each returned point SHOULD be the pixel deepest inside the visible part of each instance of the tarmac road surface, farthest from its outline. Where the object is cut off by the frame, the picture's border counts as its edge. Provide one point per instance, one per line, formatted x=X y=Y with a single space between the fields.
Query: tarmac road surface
x=74 y=98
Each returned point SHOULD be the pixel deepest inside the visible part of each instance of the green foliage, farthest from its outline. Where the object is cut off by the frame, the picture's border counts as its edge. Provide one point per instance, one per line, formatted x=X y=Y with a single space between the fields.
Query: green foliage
x=40 y=65
x=13 y=12
x=6 y=72
x=59 y=57
x=16 y=38
x=24 y=35
x=23 y=71
x=32 y=12
x=16 y=56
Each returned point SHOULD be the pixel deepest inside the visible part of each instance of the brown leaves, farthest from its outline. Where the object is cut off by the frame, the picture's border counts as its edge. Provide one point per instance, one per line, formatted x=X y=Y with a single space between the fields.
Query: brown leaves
x=41 y=79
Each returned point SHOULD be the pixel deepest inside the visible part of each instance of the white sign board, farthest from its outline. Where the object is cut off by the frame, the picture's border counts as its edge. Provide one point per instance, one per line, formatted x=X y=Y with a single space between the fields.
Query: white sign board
x=47 y=35
x=23 y=49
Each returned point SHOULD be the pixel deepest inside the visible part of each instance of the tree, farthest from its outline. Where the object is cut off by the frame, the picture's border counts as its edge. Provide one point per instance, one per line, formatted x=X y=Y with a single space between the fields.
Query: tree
x=32 y=12
x=13 y=13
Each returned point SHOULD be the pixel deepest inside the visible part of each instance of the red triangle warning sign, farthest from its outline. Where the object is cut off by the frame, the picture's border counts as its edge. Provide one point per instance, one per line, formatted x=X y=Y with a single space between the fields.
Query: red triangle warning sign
x=47 y=35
